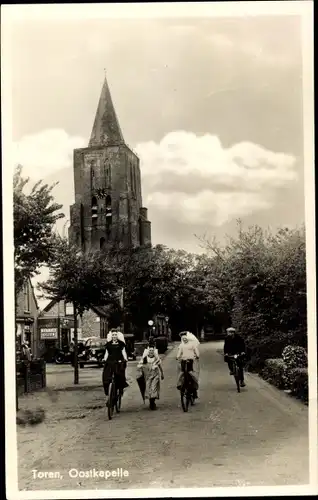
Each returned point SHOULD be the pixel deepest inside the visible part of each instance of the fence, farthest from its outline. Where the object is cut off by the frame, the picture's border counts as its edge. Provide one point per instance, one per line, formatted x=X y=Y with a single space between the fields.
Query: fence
x=30 y=376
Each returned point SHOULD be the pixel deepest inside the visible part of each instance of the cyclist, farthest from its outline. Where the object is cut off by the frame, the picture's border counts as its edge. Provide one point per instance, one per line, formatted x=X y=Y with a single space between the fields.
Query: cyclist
x=188 y=351
x=235 y=344
x=115 y=352
x=120 y=335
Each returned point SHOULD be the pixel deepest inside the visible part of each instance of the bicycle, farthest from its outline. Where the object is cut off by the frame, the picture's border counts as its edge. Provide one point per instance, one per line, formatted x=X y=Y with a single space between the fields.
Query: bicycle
x=187 y=390
x=115 y=394
x=236 y=370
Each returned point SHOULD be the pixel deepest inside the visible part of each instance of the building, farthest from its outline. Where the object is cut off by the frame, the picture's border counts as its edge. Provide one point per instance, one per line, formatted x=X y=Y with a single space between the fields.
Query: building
x=56 y=326
x=108 y=207
x=27 y=312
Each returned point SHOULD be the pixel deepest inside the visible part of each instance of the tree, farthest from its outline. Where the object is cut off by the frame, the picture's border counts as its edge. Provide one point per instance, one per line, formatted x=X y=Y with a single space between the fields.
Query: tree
x=84 y=279
x=34 y=217
x=261 y=277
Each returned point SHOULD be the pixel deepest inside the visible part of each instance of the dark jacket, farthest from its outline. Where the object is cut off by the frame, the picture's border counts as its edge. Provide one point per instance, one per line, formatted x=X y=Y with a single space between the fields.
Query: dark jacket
x=115 y=352
x=234 y=345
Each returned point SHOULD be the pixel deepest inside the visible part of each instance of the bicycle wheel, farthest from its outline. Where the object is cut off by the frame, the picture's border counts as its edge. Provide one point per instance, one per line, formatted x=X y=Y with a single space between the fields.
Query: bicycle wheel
x=237 y=378
x=189 y=398
x=118 y=402
x=110 y=408
x=184 y=401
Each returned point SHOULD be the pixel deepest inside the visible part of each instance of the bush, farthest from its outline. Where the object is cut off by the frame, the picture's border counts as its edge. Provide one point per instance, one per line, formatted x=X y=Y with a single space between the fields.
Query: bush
x=299 y=383
x=262 y=349
x=274 y=372
x=295 y=357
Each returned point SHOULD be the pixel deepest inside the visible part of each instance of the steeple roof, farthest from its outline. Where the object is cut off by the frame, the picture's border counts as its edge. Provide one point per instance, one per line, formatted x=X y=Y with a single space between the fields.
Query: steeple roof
x=106 y=129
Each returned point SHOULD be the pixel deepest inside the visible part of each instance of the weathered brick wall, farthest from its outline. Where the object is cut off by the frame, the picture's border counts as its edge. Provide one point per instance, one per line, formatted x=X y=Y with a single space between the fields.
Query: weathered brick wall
x=57 y=309
x=115 y=169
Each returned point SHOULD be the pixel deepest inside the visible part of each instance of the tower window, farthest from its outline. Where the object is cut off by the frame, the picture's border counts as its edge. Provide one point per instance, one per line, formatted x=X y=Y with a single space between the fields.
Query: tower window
x=108 y=201
x=109 y=214
x=92 y=175
x=102 y=243
x=107 y=175
x=132 y=184
x=94 y=209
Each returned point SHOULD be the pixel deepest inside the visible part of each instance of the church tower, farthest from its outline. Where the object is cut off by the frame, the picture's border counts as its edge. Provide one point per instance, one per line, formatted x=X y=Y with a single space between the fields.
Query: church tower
x=108 y=207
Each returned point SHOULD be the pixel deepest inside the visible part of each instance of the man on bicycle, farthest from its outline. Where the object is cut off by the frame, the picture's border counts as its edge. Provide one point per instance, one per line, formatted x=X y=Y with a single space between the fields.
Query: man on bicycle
x=234 y=344
x=115 y=359
x=187 y=351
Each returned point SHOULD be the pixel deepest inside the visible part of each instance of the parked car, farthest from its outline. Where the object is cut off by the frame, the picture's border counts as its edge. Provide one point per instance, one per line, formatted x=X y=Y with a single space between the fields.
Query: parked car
x=93 y=353
x=64 y=355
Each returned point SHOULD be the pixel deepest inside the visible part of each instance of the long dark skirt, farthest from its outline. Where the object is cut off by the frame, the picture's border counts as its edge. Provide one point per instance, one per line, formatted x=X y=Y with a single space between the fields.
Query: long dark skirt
x=120 y=375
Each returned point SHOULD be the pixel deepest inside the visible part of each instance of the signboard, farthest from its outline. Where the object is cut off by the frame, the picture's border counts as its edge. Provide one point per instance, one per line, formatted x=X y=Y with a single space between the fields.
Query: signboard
x=48 y=333
x=48 y=322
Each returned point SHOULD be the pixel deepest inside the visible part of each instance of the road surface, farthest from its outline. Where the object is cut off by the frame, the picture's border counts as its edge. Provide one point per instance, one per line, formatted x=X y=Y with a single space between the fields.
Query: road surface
x=258 y=437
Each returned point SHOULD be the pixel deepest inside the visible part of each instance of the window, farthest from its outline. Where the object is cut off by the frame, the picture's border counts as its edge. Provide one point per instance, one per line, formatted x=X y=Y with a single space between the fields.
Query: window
x=107 y=175
x=102 y=243
x=109 y=214
x=69 y=309
x=94 y=209
x=132 y=184
x=92 y=175
x=26 y=296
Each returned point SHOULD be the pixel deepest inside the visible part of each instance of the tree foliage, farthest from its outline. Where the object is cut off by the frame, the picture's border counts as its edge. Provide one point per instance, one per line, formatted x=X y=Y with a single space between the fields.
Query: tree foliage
x=34 y=217
x=85 y=279
x=255 y=281
x=265 y=277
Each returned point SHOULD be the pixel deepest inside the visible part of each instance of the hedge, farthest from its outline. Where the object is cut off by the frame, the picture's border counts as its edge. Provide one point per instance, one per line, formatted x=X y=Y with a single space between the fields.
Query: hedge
x=299 y=383
x=274 y=372
x=277 y=373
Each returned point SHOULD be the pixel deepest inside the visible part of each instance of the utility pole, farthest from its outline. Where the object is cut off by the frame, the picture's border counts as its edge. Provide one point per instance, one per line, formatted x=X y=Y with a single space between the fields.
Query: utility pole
x=75 y=346
x=121 y=302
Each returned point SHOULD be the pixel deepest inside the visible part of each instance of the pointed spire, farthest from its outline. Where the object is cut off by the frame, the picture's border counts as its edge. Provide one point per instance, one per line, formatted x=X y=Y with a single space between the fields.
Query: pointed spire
x=106 y=129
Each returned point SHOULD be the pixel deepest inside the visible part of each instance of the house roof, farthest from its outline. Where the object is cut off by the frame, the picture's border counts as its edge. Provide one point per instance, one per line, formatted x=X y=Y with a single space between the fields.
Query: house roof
x=49 y=305
x=33 y=294
x=102 y=311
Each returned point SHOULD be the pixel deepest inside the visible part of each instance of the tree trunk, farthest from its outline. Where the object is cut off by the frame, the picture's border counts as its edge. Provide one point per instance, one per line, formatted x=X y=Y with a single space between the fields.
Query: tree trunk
x=75 y=346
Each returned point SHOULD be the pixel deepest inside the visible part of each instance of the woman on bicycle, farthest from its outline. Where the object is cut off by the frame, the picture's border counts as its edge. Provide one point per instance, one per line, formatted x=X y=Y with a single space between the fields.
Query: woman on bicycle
x=188 y=351
x=115 y=352
x=151 y=369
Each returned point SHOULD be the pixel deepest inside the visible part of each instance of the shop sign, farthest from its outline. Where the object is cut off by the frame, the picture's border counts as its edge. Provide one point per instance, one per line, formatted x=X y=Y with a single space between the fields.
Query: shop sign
x=49 y=333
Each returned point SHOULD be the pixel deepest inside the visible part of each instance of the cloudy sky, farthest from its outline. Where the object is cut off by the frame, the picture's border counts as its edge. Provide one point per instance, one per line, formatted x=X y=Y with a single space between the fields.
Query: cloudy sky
x=212 y=106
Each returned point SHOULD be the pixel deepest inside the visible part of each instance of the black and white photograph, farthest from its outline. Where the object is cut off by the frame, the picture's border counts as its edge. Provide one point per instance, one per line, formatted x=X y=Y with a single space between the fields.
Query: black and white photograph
x=159 y=250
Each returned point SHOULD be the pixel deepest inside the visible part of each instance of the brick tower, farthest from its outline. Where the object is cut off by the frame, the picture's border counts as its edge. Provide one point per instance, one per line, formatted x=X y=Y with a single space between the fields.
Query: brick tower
x=108 y=204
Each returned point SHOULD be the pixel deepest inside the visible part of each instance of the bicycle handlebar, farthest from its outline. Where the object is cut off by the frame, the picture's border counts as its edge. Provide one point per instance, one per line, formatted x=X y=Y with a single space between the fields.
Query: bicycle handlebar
x=235 y=355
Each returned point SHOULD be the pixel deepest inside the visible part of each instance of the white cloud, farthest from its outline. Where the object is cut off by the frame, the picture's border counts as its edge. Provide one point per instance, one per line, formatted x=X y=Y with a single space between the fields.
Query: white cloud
x=196 y=180
x=46 y=152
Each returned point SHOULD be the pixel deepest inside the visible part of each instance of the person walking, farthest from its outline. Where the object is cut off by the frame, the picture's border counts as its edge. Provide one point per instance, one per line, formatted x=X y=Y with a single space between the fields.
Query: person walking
x=150 y=370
